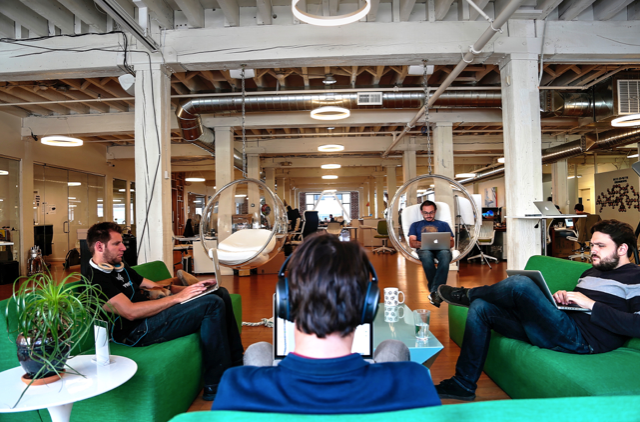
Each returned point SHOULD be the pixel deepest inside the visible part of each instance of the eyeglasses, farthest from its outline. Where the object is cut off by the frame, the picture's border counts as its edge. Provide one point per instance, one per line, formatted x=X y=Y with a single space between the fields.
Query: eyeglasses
x=429 y=213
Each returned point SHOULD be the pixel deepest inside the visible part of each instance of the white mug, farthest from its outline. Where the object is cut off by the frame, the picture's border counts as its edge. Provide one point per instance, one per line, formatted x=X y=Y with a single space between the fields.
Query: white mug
x=393 y=313
x=391 y=296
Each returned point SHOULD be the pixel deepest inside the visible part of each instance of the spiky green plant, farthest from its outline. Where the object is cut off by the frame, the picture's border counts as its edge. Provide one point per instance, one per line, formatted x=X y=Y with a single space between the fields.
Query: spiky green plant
x=63 y=312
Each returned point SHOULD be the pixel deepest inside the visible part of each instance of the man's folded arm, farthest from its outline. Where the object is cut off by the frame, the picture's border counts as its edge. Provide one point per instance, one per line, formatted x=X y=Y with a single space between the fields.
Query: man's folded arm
x=616 y=321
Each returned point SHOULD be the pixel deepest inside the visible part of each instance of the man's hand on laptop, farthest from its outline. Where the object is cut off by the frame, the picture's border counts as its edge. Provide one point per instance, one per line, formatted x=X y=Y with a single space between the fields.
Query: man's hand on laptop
x=191 y=291
x=565 y=298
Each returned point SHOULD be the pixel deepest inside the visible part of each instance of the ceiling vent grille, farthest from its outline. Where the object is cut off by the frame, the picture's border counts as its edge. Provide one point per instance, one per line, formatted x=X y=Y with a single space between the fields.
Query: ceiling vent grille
x=369 y=98
x=628 y=96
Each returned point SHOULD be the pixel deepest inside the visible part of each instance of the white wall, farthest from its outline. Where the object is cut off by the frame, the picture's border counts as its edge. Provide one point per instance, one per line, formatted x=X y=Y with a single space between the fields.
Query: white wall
x=499 y=183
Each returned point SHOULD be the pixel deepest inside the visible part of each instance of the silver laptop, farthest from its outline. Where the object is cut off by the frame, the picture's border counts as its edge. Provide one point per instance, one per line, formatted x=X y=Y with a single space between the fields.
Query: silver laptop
x=216 y=268
x=537 y=278
x=284 y=341
x=547 y=208
x=435 y=241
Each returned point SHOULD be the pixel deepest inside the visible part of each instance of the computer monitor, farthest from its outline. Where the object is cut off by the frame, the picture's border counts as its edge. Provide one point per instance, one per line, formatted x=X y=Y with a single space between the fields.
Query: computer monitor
x=491 y=214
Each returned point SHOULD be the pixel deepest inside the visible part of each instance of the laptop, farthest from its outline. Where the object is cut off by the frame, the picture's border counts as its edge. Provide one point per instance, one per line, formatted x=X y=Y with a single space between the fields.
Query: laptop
x=547 y=208
x=537 y=278
x=212 y=288
x=284 y=341
x=568 y=222
x=435 y=241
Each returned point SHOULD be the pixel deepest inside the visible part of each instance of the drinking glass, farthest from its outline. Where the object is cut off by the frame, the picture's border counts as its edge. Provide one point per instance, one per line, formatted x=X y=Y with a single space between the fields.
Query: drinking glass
x=421 y=321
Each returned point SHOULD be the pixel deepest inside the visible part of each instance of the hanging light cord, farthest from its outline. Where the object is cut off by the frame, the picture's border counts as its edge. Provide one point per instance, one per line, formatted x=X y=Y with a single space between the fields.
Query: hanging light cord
x=425 y=129
x=244 y=131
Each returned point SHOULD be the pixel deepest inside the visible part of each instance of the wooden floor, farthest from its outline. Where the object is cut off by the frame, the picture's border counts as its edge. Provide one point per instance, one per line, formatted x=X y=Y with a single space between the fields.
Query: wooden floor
x=393 y=271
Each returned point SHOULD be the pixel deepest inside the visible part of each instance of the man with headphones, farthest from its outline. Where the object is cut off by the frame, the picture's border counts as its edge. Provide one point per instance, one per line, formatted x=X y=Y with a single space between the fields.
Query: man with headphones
x=142 y=322
x=331 y=288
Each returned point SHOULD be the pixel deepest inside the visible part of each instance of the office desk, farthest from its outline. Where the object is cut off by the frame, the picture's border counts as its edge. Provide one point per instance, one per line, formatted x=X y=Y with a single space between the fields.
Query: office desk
x=543 y=224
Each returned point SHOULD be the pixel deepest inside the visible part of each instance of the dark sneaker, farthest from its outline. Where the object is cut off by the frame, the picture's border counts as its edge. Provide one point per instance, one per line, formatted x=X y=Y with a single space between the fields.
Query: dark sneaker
x=450 y=389
x=209 y=393
x=435 y=299
x=454 y=295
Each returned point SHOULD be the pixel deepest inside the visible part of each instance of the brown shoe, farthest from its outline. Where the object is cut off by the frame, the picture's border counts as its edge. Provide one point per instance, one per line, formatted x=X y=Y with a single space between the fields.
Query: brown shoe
x=186 y=279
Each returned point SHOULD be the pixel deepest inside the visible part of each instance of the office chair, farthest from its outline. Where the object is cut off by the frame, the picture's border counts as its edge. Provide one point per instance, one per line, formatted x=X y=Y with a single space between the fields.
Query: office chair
x=334 y=228
x=583 y=228
x=310 y=225
x=486 y=238
x=383 y=233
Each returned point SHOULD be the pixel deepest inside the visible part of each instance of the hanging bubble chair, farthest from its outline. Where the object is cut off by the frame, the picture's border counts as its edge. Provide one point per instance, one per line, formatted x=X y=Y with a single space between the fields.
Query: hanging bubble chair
x=455 y=206
x=244 y=225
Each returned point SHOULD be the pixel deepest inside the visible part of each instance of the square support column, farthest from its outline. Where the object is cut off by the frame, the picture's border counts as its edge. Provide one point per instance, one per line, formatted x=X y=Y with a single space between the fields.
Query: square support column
x=560 y=186
x=409 y=171
x=523 y=157
x=443 y=164
x=224 y=175
x=379 y=196
x=153 y=164
x=372 y=197
x=253 y=172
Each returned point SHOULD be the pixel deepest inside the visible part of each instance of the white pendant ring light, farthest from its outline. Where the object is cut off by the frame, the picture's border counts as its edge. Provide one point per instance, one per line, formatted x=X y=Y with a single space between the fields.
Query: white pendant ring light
x=626 y=121
x=330 y=113
x=330 y=20
x=61 y=141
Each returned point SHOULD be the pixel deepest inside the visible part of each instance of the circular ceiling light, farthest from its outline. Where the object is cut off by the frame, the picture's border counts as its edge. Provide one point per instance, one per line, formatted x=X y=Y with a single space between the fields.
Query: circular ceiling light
x=194 y=179
x=330 y=113
x=3 y=172
x=329 y=79
x=330 y=148
x=501 y=160
x=61 y=141
x=330 y=166
x=329 y=176
x=465 y=175
x=626 y=121
x=330 y=20
x=74 y=184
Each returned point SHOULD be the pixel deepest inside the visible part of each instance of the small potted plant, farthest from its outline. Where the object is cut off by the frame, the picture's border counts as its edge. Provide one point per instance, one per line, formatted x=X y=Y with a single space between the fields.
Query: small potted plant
x=50 y=319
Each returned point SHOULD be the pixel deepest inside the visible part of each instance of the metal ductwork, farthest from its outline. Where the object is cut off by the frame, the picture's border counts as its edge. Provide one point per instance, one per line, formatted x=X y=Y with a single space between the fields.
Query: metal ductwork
x=567 y=104
x=588 y=143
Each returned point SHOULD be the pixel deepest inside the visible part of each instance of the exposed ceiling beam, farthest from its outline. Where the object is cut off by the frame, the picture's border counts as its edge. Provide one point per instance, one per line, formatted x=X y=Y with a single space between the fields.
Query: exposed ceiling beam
x=55 y=13
x=605 y=10
x=193 y=11
x=20 y=13
x=406 y=7
x=442 y=7
x=373 y=12
x=7 y=27
x=88 y=12
x=570 y=9
x=265 y=12
x=160 y=10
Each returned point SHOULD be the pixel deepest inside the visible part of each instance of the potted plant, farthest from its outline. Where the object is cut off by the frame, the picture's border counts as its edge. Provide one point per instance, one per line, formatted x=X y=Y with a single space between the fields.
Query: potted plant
x=51 y=319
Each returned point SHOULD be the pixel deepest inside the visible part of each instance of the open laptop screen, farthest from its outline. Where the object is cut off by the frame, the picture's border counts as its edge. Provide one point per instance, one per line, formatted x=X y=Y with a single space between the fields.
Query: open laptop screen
x=284 y=341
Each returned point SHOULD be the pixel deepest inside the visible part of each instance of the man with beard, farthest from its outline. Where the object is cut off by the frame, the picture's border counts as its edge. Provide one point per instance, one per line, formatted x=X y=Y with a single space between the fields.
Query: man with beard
x=142 y=322
x=517 y=308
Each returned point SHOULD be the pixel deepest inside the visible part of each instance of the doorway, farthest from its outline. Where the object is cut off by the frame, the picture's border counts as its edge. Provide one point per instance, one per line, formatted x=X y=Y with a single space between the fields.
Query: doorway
x=66 y=203
x=585 y=196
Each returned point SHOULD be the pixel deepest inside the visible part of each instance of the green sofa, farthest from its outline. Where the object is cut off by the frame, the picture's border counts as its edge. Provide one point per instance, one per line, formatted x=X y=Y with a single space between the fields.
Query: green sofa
x=526 y=371
x=166 y=383
x=610 y=409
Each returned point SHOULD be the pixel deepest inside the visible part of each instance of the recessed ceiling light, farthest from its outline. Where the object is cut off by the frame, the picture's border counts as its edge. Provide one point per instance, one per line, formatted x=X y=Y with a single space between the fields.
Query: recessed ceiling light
x=329 y=148
x=330 y=166
x=122 y=190
x=331 y=128
x=241 y=196
x=117 y=200
x=626 y=121
x=61 y=141
x=501 y=160
x=634 y=155
x=329 y=176
x=330 y=113
x=573 y=177
x=3 y=172
x=194 y=179
x=74 y=184
x=99 y=200
x=465 y=175
x=72 y=197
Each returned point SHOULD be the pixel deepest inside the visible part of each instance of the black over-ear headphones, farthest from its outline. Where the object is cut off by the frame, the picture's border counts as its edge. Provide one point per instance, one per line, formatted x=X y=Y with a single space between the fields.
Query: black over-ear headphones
x=371 y=298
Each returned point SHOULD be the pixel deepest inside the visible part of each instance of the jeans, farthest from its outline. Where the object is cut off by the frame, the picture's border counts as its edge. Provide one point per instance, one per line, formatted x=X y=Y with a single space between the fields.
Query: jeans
x=517 y=309
x=261 y=353
x=210 y=315
x=435 y=276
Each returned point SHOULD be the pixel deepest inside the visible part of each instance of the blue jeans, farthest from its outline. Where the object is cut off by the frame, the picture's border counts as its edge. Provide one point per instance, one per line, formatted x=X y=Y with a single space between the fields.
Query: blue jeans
x=211 y=316
x=435 y=276
x=517 y=309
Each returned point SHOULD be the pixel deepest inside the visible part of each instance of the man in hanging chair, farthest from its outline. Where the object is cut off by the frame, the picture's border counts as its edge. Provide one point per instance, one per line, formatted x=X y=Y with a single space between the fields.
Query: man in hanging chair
x=142 y=322
x=436 y=276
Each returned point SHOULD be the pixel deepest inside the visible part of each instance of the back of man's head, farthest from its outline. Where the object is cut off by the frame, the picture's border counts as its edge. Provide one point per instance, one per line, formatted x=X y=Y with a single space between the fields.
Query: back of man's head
x=619 y=232
x=328 y=282
x=579 y=207
x=101 y=232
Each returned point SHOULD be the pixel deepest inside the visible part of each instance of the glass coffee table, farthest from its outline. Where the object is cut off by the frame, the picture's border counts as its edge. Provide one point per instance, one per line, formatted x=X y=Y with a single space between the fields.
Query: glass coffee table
x=399 y=325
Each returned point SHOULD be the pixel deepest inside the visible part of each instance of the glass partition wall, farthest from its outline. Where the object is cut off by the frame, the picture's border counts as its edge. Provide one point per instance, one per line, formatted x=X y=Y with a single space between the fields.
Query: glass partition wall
x=66 y=204
x=10 y=210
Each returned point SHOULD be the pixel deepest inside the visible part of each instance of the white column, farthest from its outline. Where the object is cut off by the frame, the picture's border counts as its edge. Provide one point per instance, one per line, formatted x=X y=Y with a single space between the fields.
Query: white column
x=379 y=196
x=270 y=176
x=361 y=203
x=26 y=204
x=392 y=182
x=282 y=188
x=253 y=172
x=443 y=164
x=409 y=171
x=560 y=187
x=372 y=197
x=153 y=164
x=224 y=175
x=522 y=147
